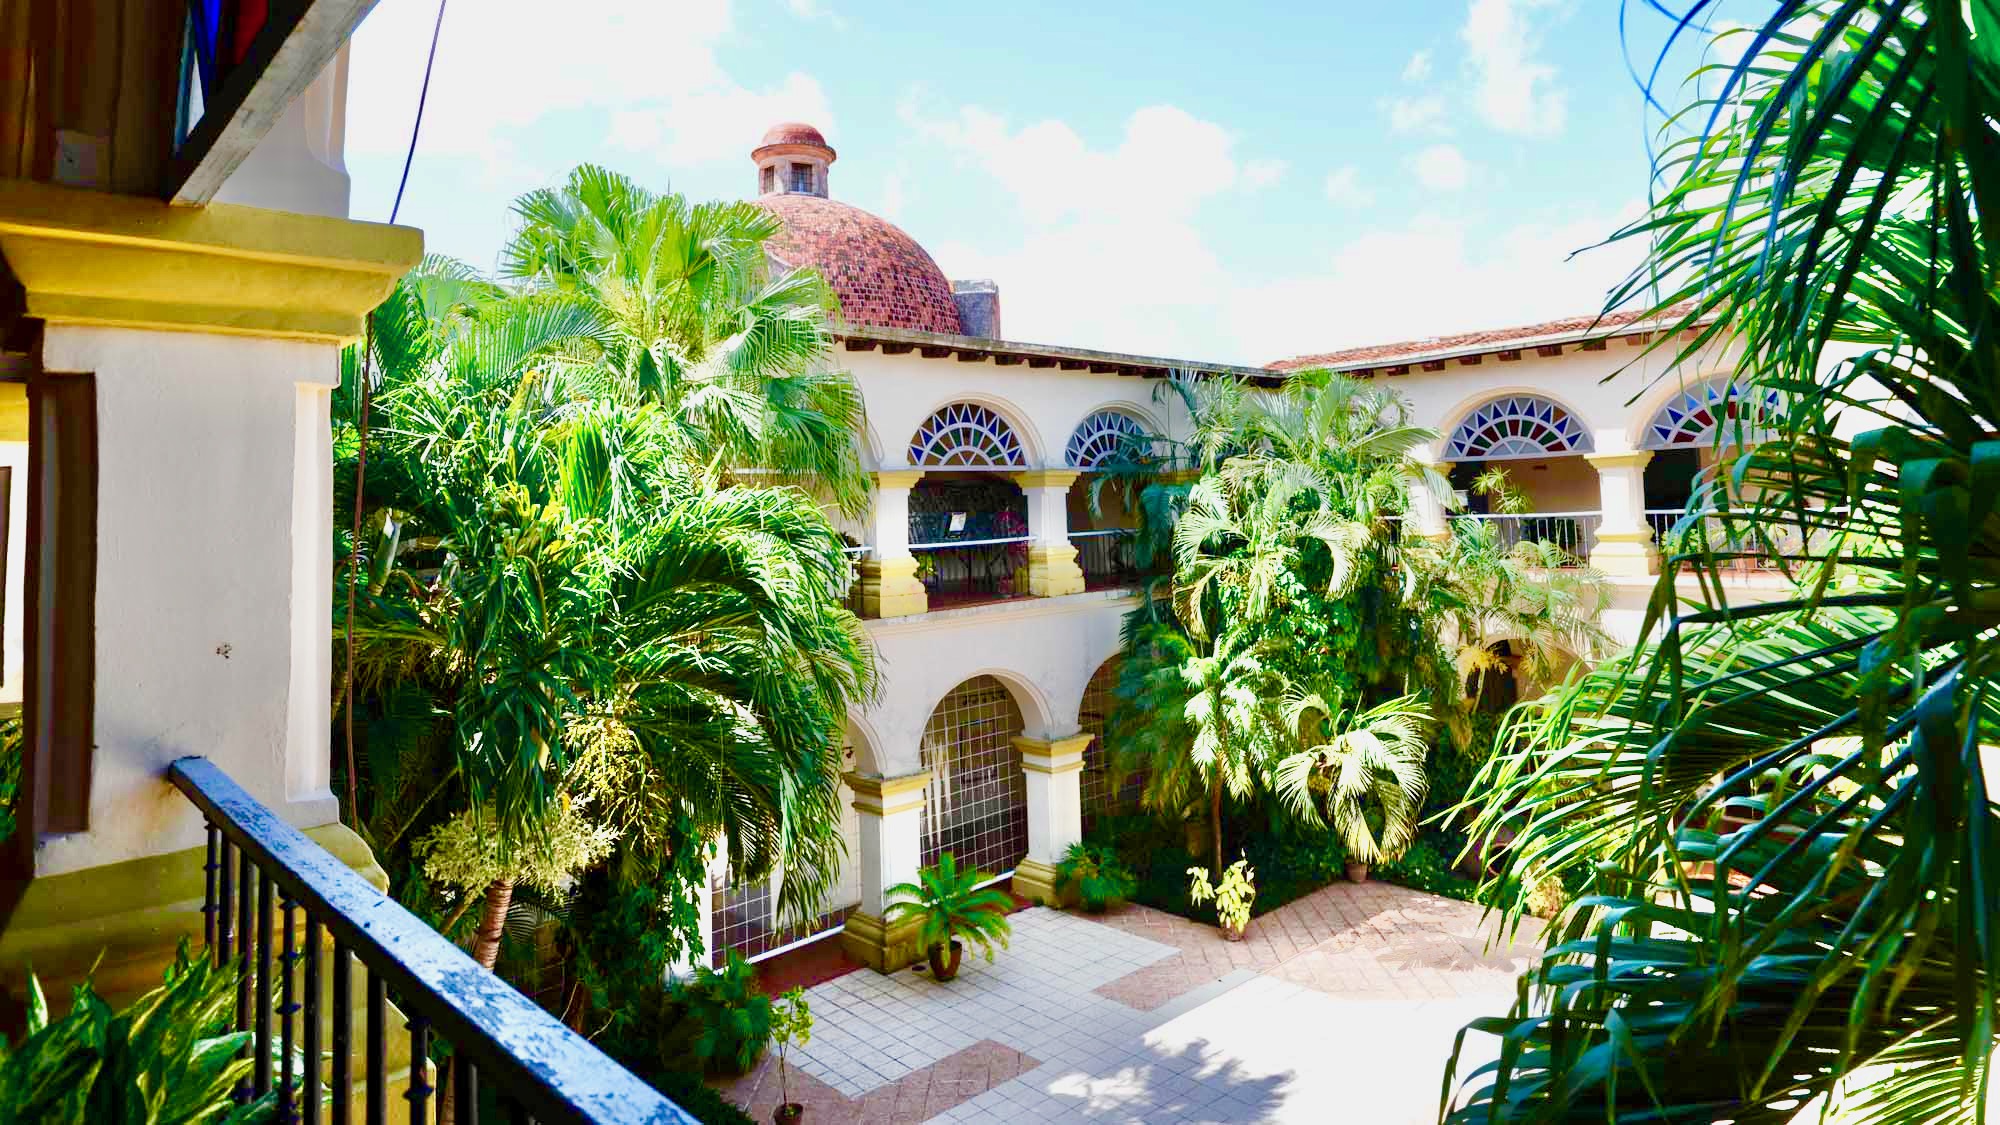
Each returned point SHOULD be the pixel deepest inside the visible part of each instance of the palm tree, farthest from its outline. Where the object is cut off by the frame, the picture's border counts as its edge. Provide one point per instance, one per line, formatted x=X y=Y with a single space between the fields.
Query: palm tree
x=1839 y=945
x=1361 y=765
x=687 y=314
x=595 y=622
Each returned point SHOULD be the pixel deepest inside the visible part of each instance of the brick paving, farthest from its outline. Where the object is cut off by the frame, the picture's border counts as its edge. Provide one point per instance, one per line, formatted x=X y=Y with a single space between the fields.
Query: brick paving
x=1139 y=1015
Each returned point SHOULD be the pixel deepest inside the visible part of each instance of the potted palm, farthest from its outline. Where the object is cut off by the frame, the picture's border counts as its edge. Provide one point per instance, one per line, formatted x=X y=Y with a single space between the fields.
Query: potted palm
x=1364 y=767
x=952 y=906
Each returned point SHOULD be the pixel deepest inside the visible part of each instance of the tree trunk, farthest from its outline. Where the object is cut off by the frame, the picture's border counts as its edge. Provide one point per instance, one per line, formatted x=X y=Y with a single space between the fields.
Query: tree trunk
x=492 y=922
x=1215 y=823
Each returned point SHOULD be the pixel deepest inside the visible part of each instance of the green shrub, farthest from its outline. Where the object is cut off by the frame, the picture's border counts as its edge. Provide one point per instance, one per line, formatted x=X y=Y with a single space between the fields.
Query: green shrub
x=1427 y=867
x=168 y=1059
x=1102 y=880
x=1290 y=862
x=953 y=907
x=652 y=1035
x=730 y=1014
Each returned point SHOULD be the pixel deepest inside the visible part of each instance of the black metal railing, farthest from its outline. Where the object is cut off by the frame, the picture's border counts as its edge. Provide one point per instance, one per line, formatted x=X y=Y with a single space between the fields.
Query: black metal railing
x=975 y=570
x=1106 y=556
x=258 y=864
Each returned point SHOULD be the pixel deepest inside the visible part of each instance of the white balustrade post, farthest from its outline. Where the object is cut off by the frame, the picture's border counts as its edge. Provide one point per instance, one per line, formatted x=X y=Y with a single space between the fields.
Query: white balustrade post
x=889 y=584
x=1053 y=769
x=892 y=818
x=1052 y=567
x=1624 y=546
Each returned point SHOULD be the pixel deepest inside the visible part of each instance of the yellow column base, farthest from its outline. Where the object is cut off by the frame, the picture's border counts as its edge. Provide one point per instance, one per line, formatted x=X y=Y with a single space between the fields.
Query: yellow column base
x=889 y=588
x=1036 y=881
x=882 y=947
x=1052 y=570
x=1628 y=554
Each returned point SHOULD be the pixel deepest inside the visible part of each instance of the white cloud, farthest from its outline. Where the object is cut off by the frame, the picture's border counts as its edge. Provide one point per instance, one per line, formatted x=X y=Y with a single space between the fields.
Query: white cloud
x=813 y=10
x=1424 y=113
x=505 y=66
x=1513 y=90
x=1433 y=276
x=1418 y=68
x=1263 y=171
x=1441 y=168
x=1345 y=189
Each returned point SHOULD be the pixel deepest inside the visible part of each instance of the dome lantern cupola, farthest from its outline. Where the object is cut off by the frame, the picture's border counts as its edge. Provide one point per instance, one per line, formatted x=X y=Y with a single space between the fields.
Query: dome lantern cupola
x=792 y=159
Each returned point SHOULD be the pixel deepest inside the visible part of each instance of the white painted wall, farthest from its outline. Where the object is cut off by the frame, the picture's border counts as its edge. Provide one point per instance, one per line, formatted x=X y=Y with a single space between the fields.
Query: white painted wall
x=14 y=455
x=299 y=165
x=214 y=578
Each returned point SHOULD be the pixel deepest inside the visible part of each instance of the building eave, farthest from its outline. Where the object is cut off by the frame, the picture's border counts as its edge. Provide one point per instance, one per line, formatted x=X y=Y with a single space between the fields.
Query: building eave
x=1005 y=353
x=1634 y=332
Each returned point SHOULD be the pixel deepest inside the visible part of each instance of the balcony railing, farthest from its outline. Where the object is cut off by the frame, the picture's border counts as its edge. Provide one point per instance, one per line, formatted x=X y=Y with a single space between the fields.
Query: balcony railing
x=963 y=571
x=258 y=864
x=1679 y=534
x=1105 y=556
x=1572 y=532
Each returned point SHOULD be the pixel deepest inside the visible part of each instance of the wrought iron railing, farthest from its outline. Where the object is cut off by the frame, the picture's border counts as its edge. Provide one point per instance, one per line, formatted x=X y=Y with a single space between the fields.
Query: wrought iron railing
x=540 y=1070
x=1678 y=533
x=973 y=570
x=1572 y=532
x=1105 y=556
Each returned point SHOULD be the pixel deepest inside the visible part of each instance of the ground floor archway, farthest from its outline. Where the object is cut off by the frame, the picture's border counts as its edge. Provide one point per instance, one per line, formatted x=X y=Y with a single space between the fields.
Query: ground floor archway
x=976 y=801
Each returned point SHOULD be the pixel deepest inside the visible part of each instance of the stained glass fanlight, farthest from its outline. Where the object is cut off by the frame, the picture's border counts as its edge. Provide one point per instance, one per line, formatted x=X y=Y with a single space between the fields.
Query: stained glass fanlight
x=1103 y=436
x=966 y=434
x=1517 y=426
x=1694 y=415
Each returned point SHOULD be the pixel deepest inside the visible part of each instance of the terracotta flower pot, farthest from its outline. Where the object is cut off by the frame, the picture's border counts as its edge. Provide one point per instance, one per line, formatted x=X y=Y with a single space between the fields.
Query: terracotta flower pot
x=789 y=1113
x=945 y=968
x=1233 y=933
x=1357 y=872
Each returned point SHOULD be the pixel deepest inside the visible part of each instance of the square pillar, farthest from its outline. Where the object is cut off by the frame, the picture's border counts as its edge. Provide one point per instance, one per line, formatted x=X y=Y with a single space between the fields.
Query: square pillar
x=715 y=874
x=889 y=585
x=1052 y=569
x=1426 y=516
x=1054 y=772
x=892 y=820
x=1624 y=547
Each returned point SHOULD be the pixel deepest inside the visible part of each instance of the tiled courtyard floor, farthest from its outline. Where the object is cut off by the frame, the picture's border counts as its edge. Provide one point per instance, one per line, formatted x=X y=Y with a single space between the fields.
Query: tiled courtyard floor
x=1341 y=1006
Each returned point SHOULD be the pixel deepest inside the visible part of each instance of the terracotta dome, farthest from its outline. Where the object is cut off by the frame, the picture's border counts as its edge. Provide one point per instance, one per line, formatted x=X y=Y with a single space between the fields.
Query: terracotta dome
x=793 y=133
x=882 y=277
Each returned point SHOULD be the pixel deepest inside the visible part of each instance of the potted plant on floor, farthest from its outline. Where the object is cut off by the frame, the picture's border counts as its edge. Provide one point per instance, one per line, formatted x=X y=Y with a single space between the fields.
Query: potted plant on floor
x=1364 y=767
x=1101 y=879
x=953 y=906
x=1232 y=896
x=731 y=1014
x=791 y=1026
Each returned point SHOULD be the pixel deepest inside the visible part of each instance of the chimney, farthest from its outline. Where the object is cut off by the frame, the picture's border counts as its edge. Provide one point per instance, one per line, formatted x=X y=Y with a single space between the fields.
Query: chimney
x=978 y=308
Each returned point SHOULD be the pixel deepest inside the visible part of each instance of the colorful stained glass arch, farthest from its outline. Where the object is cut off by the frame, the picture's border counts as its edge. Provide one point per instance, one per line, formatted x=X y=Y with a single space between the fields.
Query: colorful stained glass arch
x=965 y=433
x=1694 y=415
x=1103 y=436
x=1517 y=426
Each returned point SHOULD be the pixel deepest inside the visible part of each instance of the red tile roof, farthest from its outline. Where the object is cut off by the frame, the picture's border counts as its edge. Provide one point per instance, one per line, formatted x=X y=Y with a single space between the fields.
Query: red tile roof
x=1493 y=339
x=882 y=276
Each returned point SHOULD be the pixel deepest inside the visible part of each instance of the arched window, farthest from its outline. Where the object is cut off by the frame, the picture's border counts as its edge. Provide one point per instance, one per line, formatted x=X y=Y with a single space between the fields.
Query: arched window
x=1104 y=435
x=965 y=433
x=1517 y=426
x=976 y=804
x=1693 y=415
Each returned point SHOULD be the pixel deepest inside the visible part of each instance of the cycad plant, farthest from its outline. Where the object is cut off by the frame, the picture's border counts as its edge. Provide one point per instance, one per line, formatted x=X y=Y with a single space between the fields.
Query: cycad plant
x=1824 y=217
x=954 y=910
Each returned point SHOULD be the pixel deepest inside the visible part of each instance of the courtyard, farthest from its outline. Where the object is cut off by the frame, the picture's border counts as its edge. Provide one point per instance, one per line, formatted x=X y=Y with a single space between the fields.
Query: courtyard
x=1337 y=1006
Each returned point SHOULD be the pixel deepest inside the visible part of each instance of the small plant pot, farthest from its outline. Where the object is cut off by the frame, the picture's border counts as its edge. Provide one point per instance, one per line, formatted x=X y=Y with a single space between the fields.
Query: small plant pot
x=1233 y=933
x=1357 y=872
x=788 y=1114
x=945 y=967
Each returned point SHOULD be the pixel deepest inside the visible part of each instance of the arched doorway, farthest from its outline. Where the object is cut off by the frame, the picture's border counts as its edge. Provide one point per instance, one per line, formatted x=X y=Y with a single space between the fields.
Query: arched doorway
x=976 y=802
x=1098 y=793
x=1540 y=446
x=1103 y=521
x=1689 y=431
x=743 y=913
x=968 y=522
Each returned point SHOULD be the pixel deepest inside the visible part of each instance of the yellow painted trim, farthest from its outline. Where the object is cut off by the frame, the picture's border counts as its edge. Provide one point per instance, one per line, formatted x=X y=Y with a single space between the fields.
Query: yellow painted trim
x=1052 y=570
x=890 y=588
x=884 y=796
x=898 y=478
x=1052 y=756
x=1046 y=478
x=88 y=257
x=886 y=948
x=1036 y=881
x=1624 y=459
x=14 y=413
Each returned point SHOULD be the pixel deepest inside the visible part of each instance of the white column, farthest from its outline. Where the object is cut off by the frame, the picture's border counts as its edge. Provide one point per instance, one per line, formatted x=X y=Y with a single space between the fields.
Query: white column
x=1427 y=511
x=1052 y=568
x=1624 y=546
x=889 y=585
x=892 y=817
x=1054 y=772
x=716 y=871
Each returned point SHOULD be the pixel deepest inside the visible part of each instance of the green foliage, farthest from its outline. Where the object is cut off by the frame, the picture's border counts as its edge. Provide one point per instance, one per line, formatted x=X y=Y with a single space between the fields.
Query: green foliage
x=791 y=1026
x=730 y=1013
x=1101 y=879
x=10 y=773
x=651 y=1036
x=953 y=907
x=1364 y=768
x=1821 y=209
x=1233 y=895
x=1291 y=862
x=168 y=1059
x=1424 y=866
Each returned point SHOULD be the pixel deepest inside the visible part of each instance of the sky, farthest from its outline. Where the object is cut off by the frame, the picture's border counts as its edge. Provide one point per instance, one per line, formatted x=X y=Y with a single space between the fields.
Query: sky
x=1228 y=183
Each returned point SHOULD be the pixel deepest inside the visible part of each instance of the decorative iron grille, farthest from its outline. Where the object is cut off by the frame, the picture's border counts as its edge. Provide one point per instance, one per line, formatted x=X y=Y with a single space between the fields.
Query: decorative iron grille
x=1517 y=426
x=1099 y=796
x=1693 y=416
x=966 y=434
x=976 y=803
x=1105 y=435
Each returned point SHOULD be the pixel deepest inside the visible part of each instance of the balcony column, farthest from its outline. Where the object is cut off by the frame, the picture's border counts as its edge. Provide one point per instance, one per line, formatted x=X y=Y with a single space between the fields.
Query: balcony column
x=889 y=585
x=715 y=873
x=1052 y=569
x=892 y=820
x=1624 y=547
x=1427 y=513
x=1054 y=772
